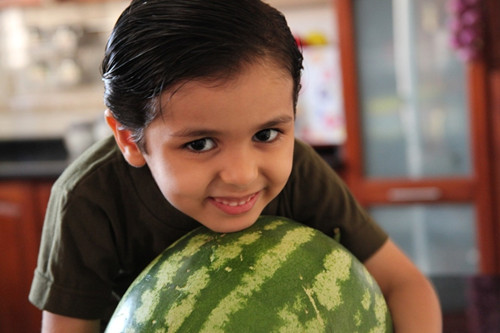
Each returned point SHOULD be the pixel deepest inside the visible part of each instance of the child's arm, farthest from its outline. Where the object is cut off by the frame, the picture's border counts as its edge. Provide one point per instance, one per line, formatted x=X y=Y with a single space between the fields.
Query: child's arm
x=52 y=323
x=411 y=298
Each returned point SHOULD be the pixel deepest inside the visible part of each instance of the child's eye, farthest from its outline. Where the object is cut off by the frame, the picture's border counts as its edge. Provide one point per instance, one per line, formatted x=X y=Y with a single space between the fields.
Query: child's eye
x=267 y=135
x=201 y=145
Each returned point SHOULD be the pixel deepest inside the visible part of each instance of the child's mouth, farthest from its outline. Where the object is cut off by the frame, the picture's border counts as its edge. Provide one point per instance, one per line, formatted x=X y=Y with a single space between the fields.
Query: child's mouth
x=235 y=206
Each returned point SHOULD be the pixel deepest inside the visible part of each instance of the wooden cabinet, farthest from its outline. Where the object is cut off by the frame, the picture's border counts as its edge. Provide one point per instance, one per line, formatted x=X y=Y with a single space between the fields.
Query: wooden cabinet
x=492 y=91
x=492 y=42
x=463 y=189
x=22 y=207
x=448 y=222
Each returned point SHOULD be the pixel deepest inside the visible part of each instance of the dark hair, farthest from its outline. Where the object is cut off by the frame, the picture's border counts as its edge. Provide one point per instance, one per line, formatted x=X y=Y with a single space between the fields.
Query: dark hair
x=158 y=44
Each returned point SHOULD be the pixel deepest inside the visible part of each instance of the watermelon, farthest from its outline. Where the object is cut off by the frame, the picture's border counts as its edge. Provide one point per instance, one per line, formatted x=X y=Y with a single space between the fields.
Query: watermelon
x=275 y=276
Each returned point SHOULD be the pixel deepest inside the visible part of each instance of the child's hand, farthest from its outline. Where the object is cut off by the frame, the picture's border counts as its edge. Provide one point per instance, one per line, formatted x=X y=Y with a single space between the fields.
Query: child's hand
x=411 y=298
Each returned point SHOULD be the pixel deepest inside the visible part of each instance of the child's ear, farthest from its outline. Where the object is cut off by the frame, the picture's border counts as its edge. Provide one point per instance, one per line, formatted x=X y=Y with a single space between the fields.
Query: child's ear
x=123 y=138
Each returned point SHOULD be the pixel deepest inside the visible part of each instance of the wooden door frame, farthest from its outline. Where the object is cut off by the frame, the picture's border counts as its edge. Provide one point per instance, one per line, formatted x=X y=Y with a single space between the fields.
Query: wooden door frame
x=491 y=11
x=477 y=189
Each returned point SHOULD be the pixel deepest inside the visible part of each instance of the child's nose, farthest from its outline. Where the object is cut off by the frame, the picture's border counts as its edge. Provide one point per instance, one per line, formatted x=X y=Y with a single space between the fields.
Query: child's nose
x=240 y=169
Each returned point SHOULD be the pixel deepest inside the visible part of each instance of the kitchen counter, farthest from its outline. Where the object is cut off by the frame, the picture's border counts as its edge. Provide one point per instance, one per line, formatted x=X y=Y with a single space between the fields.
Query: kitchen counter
x=32 y=158
x=41 y=144
x=40 y=132
x=30 y=170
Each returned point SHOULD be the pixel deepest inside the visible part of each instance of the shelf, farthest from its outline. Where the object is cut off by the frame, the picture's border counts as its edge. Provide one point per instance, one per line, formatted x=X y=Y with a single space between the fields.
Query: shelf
x=290 y=3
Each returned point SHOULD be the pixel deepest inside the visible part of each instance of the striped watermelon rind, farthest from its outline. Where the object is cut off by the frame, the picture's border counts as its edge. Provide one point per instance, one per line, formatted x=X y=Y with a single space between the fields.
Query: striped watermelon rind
x=276 y=276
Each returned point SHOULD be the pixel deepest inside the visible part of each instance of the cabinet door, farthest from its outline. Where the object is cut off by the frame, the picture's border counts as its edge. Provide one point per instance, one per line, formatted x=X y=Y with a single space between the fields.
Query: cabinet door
x=417 y=133
x=19 y=241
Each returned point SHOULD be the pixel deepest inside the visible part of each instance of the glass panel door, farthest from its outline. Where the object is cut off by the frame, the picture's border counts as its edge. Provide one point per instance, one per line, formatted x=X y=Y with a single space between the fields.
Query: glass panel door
x=412 y=90
x=414 y=126
x=440 y=239
x=416 y=137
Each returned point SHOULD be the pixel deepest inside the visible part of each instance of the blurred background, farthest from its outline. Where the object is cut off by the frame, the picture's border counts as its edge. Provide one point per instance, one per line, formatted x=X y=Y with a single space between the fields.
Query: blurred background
x=401 y=98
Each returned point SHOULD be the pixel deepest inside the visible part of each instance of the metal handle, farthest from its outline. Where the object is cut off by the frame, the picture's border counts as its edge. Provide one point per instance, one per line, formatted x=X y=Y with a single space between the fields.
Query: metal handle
x=414 y=194
x=9 y=209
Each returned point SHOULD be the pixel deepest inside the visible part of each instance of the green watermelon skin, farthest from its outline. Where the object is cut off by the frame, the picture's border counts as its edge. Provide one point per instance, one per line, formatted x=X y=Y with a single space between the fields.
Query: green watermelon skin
x=276 y=276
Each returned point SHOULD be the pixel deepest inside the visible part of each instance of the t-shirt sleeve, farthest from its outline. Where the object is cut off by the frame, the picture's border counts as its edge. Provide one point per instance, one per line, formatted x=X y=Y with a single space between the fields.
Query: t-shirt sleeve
x=75 y=261
x=105 y=221
x=315 y=195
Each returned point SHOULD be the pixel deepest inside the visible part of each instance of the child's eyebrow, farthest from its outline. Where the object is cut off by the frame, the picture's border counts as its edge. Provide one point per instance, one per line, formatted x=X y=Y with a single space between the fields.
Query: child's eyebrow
x=277 y=121
x=195 y=132
x=191 y=133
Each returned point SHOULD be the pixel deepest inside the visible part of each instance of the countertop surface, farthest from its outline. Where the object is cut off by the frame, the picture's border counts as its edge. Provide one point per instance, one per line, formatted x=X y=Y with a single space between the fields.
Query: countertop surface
x=31 y=170
x=33 y=158
x=41 y=144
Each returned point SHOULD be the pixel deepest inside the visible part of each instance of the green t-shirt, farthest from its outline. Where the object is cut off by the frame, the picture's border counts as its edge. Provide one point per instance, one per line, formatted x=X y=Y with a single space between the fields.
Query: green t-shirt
x=107 y=220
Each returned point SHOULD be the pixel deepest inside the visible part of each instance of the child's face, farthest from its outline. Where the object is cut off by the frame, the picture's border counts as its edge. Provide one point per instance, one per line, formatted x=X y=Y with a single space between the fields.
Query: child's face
x=222 y=151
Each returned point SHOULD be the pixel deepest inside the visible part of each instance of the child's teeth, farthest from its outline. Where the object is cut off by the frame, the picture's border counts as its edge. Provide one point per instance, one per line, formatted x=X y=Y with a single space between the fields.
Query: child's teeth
x=233 y=203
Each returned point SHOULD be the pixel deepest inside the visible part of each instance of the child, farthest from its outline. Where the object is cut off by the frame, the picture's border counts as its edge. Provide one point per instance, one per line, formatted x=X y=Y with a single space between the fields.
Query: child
x=201 y=100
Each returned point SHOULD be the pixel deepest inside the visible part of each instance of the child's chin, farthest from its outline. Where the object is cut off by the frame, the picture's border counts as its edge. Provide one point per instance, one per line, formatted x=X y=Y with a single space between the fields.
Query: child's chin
x=231 y=227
